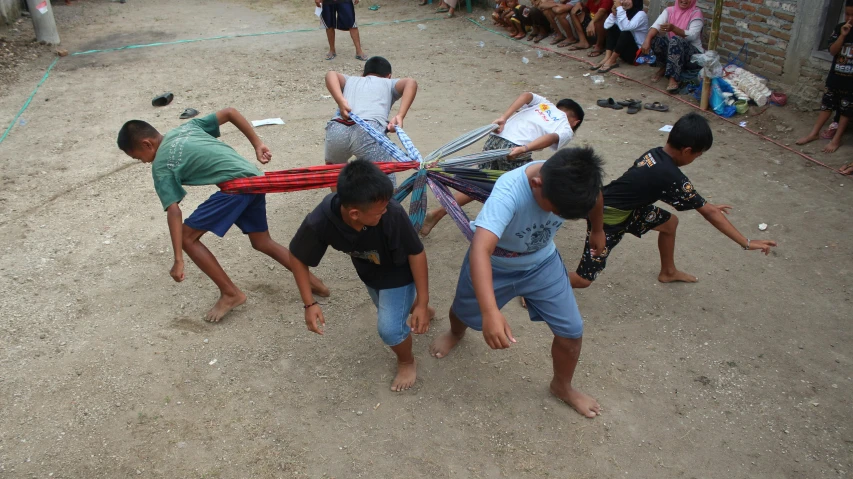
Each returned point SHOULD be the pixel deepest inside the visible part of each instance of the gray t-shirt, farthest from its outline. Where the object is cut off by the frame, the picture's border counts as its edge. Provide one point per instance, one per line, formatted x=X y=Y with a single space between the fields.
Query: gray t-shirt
x=370 y=97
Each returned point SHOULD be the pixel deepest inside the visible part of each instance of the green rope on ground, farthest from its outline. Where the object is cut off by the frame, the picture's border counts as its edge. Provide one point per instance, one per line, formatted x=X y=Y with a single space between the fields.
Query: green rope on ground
x=30 y=99
x=176 y=42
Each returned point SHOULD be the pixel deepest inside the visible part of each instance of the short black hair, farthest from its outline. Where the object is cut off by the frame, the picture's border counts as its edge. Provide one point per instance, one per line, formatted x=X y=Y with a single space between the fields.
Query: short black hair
x=361 y=183
x=848 y=4
x=573 y=107
x=134 y=131
x=571 y=181
x=691 y=131
x=378 y=66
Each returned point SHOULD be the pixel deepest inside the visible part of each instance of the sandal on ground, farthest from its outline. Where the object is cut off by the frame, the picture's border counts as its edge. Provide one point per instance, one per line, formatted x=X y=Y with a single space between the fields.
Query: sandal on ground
x=595 y=53
x=361 y=57
x=846 y=169
x=566 y=43
x=628 y=102
x=607 y=69
x=331 y=56
x=608 y=103
x=557 y=40
x=595 y=67
x=575 y=48
x=673 y=90
x=829 y=133
x=442 y=10
x=531 y=37
x=635 y=107
x=162 y=100
x=656 y=106
x=188 y=113
x=450 y=15
x=539 y=38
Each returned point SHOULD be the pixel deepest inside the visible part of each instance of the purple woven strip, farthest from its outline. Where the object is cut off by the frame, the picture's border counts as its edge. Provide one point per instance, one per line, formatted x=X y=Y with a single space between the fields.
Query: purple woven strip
x=469 y=189
x=445 y=197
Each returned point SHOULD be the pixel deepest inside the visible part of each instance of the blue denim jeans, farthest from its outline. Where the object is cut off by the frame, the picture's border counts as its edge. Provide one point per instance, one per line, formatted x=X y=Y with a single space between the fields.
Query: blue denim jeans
x=392 y=308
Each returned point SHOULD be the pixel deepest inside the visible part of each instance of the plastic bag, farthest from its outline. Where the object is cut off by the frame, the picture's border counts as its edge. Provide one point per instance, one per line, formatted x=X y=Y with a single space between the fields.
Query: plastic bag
x=718 y=101
x=710 y=63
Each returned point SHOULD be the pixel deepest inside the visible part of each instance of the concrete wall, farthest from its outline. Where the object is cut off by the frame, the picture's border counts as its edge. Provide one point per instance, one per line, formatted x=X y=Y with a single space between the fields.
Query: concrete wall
x=782 y=37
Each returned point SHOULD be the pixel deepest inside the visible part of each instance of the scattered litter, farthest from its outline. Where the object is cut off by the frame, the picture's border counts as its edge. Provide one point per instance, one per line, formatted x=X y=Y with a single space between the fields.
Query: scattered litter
x=268 y=121
x=742 y=124
x=666 y=128
x=539 y=54
x=421 y=26
x=107 y=242
x=206 y=341
x=325 y=97
x=373 y=8
x=558 y=77
x=482 y=18
x=213 y=362
x=376 y=406
x=762 y=227
x=62 y=53
x=586 y=74
x=318 y=11
x=481 y=44
x=597 y=79
x=525 y=60
x=22 y=122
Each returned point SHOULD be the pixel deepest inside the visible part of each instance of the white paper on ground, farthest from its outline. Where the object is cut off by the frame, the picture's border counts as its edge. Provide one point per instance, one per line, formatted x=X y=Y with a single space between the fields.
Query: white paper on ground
x=318 y=11
x=666 y=128
x=268 y=121
x=557 y=77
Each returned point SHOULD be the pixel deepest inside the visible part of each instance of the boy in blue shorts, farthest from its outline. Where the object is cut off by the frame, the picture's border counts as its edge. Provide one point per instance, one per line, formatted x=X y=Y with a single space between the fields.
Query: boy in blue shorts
x=362 y=220
x=513 y=254
x=629 y=203
x=192 y=155
x=340 y=14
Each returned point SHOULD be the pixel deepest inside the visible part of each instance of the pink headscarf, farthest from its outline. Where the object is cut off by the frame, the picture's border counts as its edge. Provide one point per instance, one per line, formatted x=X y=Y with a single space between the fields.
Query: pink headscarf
x=681 y=18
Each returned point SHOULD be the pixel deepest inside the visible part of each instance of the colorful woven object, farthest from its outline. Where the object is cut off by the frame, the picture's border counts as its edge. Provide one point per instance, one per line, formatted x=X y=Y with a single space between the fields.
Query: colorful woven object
x=298 y=179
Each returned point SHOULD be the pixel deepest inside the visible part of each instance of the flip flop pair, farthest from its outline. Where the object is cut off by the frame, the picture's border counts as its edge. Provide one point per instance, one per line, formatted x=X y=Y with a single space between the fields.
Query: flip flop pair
x=605 y=69
x=657 y=106
x=609 y=103
x=633 y=106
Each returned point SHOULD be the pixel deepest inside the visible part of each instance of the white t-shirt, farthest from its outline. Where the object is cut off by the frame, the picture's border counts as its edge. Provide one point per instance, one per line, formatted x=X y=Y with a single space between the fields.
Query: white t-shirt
x=537 y=118
x=370 y=97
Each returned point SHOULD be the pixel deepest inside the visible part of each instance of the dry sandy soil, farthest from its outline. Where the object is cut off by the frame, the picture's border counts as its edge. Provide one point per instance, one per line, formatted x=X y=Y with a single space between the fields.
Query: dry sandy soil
x=106 y=368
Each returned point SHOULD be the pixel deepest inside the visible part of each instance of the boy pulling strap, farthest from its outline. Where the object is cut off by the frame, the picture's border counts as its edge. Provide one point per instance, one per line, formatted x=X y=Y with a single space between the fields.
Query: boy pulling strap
x=655 y=176
x=363 y=221
x=192 y=155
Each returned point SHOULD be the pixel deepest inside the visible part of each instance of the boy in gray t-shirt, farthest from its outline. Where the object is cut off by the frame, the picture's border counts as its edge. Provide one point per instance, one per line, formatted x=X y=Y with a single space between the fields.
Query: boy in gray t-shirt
x=369 y=96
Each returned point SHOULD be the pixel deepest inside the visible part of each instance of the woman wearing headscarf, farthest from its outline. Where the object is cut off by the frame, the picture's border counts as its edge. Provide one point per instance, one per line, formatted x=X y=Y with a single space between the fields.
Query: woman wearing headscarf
x=626 y=27
x=681 y=26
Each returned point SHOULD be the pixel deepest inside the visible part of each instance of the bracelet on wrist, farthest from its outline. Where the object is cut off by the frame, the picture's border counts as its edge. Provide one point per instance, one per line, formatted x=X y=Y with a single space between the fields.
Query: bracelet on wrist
x=746 y=247
x=315 y=303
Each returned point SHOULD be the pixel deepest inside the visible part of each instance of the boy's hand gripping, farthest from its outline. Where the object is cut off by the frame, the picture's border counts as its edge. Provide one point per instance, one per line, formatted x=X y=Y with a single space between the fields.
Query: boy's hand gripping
x=177 y=271
x=263 y=154
x=344 y=109
x=395 y=122
x=500 y=122
x=314 y=319
x=420 y=319
x=597 y=243
x=496 y=331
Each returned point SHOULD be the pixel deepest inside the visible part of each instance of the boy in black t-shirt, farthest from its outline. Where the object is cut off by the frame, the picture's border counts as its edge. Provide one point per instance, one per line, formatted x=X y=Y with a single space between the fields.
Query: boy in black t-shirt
x=363 y=221
x=629 y=203
x=839 y=86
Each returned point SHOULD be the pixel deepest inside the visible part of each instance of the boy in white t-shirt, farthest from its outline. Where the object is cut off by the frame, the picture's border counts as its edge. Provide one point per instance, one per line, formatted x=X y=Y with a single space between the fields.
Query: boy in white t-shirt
x=530 y=124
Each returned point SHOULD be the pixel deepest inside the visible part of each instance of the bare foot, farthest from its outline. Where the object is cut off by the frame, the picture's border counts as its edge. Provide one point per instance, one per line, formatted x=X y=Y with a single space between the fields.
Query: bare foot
x=318 y=288
x=832 y=146
x=429 y=223
x=406 y=375
x=443 y=344
x=807 y=139
x=657 y=76
x=224 y=306
x=847 y=169
x=672 y=86
x=676 y=277
x=583 y=404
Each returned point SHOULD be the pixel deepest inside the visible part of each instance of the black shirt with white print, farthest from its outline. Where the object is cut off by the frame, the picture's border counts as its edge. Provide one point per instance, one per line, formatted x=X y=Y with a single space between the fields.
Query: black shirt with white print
x=654 y=177
x=841 y=72
x=379 y=253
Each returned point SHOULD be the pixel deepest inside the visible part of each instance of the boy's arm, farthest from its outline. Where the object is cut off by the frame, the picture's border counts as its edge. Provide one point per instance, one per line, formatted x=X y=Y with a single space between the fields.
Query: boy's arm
x=420 y=311
x=231 y=115
x=836 y=46
x=335 y=84
x=174 y=217
x=543 y=141
x=314 y=313
x=716 y=215
x=407 y=88
x=519 y=102
x=496 y=330
x=597 y=240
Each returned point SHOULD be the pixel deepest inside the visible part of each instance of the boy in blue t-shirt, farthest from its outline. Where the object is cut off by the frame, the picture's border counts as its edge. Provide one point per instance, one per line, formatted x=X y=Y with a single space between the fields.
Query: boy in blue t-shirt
x=192 y=155
x=523 y=213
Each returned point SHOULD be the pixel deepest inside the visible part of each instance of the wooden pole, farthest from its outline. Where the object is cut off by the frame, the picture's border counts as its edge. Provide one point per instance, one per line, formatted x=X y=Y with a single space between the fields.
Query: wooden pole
x=43 y=21
x=712 y=45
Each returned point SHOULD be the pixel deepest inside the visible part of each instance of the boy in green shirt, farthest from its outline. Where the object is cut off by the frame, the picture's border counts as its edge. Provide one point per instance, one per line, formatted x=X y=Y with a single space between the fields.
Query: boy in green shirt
x=192 y=155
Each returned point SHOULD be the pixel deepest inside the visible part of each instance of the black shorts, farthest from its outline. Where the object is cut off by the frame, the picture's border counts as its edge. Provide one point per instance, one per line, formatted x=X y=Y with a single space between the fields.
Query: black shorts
x=641 y=221
x=838 y=100
x=338 y=14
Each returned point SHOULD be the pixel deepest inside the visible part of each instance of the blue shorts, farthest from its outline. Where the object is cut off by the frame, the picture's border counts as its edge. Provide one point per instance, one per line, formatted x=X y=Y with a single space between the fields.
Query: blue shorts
x=338 y=14
x=220 y=211
x=392 y=309
x=546 y=289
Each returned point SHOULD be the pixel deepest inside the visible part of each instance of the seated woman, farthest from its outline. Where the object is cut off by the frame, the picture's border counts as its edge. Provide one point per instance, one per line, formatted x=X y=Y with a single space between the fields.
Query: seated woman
x=681 y=25
x=626 y=28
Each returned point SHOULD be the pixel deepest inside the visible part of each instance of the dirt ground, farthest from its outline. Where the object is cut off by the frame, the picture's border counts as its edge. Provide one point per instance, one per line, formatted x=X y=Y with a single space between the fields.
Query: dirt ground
x=107 y=370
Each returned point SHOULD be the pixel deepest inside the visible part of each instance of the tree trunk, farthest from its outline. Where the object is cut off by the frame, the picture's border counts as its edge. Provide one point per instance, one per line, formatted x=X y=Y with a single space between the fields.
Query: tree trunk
x=712 y=45
x=44 y=24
